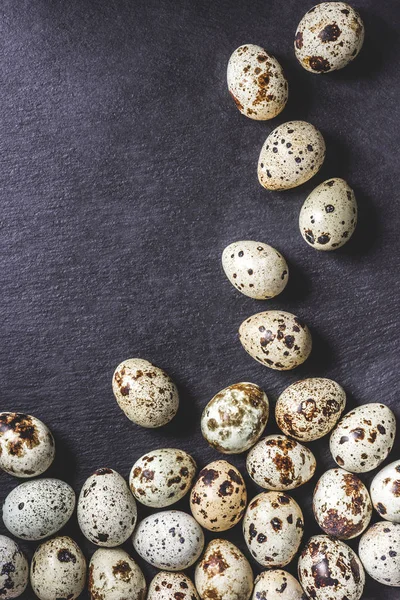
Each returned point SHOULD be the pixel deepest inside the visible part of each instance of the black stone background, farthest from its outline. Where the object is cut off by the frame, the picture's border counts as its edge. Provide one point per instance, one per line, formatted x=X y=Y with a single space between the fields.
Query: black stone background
x=126 y=169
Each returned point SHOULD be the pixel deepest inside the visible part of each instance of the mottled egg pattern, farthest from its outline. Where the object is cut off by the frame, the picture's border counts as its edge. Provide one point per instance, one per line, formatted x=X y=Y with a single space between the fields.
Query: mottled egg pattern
x=14 y=569
x=114 y=575
x=145 y=393
x=291 y=155
x=328 y=37
x=255 y=269
x=273 y=527
x=224 y=573
x=106 y=508
x=328 y=216
x=36 y=509
x=170 y=540
x=172 y=586
x=341 y=504
x=162 y=477
x=379 y=552
x=277 y=585
x=276 y=339
x=330 y=570
x=27 y=447
x=310 y=408
x=385 y=492
x=235 y=418
x=363 y=438
x=278 y=463
x=58 y=570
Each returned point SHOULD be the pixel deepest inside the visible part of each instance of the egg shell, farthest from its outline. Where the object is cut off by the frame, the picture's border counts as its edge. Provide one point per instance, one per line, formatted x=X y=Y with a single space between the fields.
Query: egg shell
x=328 y=37
x=106 y=509
x=224 y=573
x=14 y=570
x=145 y=393
x=39 y=508
x=363 y=438
x=235 y=418
x=272 y=528
x=171 y=540
x=27 y=447
x=276 y=339
x=255 y=269
x=277 y=584
x=292 y=154
x=379 y=552
x=113 y=575
x=280 y=464
x=385 y=492
x=330 y=570
x=172 y=586
x=310 y=408
x=341 y=504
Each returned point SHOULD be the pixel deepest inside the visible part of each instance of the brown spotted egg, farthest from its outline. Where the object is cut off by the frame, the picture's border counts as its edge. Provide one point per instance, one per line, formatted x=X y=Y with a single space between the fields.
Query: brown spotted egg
x=218 y=498
x=113 y=575
x=14 y=570
x=363 y=438
x=273 y=527
x=385 y=492
x=277 y=584
x=379 y=552
x=276 y=339
x=172 y=586
x=329 y=36
x=145 y=393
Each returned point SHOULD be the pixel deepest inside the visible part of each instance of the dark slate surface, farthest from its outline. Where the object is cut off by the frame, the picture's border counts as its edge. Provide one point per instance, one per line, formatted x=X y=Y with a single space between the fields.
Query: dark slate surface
x=125 y=171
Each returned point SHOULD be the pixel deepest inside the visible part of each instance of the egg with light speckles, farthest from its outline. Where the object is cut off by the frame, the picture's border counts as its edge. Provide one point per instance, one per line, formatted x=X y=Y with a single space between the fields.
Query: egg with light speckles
x=255 y=269
x=145 y=393
x=224 y=573
x=106 y=509
x=39 y=508
x=363 y=438
x=276 y=584
x=14 y=570
x=172 y=586
x=235 y=418
x=292 y=154
x=385 y=492
x=379 y=552
x=113 y=575
x=328 y=37
x=170 y=540
x=162 y=477
x=330 y=570
x=273 y=528
x=257 y=83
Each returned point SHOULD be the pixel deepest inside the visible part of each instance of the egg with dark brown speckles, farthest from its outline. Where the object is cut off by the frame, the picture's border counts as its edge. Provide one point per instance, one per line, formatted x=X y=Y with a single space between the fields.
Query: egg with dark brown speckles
x=14 y=571
x=379 y=552
x=274 y=584
x=385 y=492
x=113 y=575
x=172 y=586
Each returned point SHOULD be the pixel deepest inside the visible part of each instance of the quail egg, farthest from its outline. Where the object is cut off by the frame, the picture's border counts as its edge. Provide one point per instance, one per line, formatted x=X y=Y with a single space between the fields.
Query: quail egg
x=329 y=36
x=235 y=418
x=273 y=527
x=363 y=438
x=276 y=584
x=14 y=569
x=106 y=509
x=308 y=409
x=385 y=492
x=145 y=393
x=171 y=540
x=379 y=552
x=172 y=586
x=113 y=575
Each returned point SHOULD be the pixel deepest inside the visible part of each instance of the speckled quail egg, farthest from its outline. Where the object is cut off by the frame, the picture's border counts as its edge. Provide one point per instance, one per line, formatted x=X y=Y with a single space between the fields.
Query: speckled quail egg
x=379 y=552
x=162 y=477
x=330 y=570
x=218 y=498
x=224 y=573
x=145 y=393
x=255 y=269
x=363 y=438
x=27 y=447
x=257 y=83
x=235 y=418
x=14 y=569
x=310 y=408
x=106 y=509
x=277 y=584
x=341 y=504
x=278 y=463
x=113 y=575
x=328 y=37
x=39 y=508
x=171 y=540
x=273 y=527
x=276 y=339
x=172 y=586
x=385 y=492
x=58 y=570
x=291 y=155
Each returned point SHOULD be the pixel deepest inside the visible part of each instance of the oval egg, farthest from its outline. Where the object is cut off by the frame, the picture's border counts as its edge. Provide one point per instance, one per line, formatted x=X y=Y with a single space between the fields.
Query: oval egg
x=172 y=586
x=113 y=575
x=14 y=570
x=379 y=552
x=277 y=584
x=385 y=492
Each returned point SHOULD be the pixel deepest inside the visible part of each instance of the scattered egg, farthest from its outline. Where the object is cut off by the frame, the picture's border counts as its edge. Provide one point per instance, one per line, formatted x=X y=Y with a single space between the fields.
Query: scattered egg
x=385 y=492
x=172 y=586
x=276 y=584
x=379 y=552
x=114 y=575
x=14 y=570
